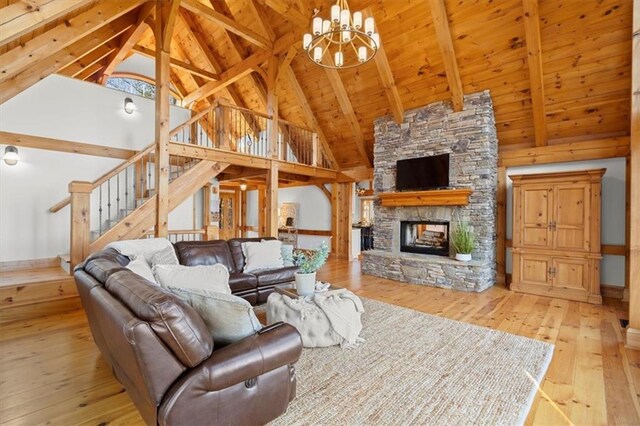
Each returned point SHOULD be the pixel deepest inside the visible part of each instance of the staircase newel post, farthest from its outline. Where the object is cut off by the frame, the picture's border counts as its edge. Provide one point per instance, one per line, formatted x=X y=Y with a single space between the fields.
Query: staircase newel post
x=80 y=221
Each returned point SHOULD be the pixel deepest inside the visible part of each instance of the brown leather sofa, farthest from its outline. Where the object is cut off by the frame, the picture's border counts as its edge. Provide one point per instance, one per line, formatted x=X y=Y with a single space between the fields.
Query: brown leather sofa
x=255 y=287
x=161 y=351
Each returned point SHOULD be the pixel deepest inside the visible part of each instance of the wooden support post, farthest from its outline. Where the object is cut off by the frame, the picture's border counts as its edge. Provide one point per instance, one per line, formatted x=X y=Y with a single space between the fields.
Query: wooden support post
x=211 y=232
x=627 y=229
x=243 y=213
x=206 y=205
x=315 y=150
x=165 y=20
x=272 y=106
x=237 y=211
x=341 y=219
x=80 y=224
x=223 y=125
x=262 y=211
x=272 y=200
x=501 y=253
x=633 y=332
x=140 y=175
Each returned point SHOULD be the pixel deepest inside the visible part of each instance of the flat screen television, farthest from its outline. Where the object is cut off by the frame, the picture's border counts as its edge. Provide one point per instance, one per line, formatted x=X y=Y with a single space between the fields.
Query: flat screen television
x=422 y=173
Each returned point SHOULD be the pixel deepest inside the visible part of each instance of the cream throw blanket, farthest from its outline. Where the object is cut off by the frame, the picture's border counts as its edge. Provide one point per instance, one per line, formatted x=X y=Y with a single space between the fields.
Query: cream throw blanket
x=343 y=310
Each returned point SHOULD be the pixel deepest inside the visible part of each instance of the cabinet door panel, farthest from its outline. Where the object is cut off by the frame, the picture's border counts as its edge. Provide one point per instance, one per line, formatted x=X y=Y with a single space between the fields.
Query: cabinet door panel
x=537 y=205
x=571 y=217
x=535 y=270
x=571 y=274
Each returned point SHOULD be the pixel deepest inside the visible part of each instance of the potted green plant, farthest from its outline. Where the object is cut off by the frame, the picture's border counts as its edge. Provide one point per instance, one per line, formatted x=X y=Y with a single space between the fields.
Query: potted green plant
x=308 y=262
x=463 y=240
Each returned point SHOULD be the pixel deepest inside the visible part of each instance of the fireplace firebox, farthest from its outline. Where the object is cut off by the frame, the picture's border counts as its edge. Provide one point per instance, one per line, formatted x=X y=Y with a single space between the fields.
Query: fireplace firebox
x=425 y=237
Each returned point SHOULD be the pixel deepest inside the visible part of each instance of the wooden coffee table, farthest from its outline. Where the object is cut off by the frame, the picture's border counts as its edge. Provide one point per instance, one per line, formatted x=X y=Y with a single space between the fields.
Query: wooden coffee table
x=289 y=289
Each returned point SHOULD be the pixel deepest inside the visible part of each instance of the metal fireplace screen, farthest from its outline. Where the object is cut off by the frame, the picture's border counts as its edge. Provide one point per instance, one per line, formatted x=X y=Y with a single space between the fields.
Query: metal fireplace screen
x=426 y=237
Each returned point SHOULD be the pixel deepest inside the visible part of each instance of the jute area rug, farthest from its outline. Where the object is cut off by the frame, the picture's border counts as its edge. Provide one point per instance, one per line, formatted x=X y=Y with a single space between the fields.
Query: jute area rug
x=419 y=369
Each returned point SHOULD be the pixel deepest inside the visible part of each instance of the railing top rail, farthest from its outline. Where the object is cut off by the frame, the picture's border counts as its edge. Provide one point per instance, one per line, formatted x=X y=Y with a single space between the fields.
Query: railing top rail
x=177 y=231
x=296 y=125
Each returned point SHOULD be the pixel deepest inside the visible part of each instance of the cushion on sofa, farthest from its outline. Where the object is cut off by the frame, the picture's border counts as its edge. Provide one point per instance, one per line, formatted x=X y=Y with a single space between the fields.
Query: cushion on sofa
x=242 y=282
x=235 y=246
x=176 y=323
x=275 y=276
x=146 y=247
x=194 y=253
x=203 y=277
x=166 y=256
x=262 y=255
x=140 y=266
x=229 y=318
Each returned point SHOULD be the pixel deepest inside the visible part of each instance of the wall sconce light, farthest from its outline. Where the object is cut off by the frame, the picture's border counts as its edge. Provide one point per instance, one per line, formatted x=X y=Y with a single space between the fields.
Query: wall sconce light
x=129 y=107
x=243 y=187
x=11 y=155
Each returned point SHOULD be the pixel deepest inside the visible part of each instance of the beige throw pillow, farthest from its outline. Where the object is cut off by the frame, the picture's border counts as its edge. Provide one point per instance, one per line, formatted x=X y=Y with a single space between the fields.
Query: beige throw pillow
x=166 y=256
x=139 y=265
x=229 y=318
x=203 y=277
x=262 y=255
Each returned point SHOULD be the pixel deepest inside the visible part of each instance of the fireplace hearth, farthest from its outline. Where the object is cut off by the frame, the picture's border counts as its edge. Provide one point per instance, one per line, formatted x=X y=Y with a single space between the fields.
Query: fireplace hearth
x=425 y=237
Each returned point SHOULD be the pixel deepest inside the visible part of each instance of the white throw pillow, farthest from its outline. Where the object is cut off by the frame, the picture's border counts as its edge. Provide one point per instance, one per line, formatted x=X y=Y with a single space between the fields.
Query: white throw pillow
x=139 y=265
x=166 y=256
x=229 y=318
x=286 y=251
x=204 y=277
x=146 y=247
x=263 y=255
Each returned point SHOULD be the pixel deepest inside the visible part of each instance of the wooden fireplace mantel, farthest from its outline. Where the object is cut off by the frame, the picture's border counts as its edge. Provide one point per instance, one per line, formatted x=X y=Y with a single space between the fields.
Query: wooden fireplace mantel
x=438 y=197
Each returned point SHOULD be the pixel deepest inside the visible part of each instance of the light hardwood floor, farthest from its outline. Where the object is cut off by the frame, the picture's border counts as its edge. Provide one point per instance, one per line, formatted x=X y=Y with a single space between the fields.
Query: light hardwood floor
x=51 y=372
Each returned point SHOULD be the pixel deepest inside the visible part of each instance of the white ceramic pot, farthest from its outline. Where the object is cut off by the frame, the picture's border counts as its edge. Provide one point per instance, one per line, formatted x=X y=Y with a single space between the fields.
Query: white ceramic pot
x=463 y=257
x=305 y=283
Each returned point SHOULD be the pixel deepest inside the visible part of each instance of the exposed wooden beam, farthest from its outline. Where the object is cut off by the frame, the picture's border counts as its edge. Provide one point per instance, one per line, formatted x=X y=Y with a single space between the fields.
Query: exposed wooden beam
x=445 y=43
x=324 y=190
x=176 y=63
x=259 y=15
x=61 y=59
x=128 y=40
x=240 y=70
x=303 y=102
x=89 y=73
x=226 y=23
x=89 y=59
x=534 y=59
x=633 y=332
x=287 y=11
x=19 y=18
x=51 y=144
x=347 y=109
x=62 y=36
x=560 y=153
x=285 y=62
x=356 y=174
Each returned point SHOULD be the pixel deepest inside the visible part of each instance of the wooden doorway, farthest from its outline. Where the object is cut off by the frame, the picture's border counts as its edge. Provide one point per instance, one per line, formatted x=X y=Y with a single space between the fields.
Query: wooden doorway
x=228 y=219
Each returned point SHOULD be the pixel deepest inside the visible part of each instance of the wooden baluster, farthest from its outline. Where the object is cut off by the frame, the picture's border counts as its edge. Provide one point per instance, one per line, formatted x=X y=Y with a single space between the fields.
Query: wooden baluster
x=80 y=221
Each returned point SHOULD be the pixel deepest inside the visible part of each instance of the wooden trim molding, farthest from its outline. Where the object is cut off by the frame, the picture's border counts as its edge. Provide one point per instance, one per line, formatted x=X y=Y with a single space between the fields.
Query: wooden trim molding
x=444 y=197
x=609 y=249
x=17 y=265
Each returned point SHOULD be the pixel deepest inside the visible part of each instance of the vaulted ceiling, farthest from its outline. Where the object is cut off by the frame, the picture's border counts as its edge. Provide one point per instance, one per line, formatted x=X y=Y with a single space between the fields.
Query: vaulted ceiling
x=558 y=70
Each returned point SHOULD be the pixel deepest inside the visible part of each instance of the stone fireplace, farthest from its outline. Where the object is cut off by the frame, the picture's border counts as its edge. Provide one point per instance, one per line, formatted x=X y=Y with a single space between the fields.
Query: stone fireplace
x=404 y=251
x=424 y=236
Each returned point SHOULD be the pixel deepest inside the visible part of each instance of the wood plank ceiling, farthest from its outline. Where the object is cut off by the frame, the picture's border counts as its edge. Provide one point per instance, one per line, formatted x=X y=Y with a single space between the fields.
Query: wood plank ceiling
x=579 y=52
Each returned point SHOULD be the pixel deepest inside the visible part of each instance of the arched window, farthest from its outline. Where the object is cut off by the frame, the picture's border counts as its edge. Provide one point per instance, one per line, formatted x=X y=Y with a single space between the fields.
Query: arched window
x=138 y=85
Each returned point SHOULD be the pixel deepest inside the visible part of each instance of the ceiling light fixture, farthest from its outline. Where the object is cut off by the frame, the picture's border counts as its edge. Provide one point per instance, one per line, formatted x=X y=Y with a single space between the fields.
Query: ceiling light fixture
x=11 y=155
x=341 y=41
x=243 y=187
x=129 y=107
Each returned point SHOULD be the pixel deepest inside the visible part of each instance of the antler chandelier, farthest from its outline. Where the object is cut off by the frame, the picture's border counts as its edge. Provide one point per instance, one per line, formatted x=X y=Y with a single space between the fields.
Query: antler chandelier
x=342 y=41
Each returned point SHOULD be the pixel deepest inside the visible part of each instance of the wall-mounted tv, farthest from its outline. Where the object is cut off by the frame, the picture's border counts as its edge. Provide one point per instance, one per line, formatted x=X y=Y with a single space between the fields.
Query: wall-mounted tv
x=422 y=173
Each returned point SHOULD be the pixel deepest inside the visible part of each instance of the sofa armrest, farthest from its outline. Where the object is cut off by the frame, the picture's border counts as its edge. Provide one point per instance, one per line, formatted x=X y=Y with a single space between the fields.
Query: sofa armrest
x=277 y=345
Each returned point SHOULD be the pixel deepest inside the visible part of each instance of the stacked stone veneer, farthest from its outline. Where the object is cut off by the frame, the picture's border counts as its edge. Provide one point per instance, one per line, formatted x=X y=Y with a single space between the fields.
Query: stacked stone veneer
x=469 y=136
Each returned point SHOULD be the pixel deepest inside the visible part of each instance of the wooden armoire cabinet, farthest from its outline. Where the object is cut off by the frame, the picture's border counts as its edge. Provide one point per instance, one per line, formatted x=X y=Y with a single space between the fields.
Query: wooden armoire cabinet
x=556 y=234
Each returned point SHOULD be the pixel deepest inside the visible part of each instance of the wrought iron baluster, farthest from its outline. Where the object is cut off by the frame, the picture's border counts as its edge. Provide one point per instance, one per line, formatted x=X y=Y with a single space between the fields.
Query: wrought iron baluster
x=126 y=189
x=109 y=202
x=100 y=211
x=118 y=196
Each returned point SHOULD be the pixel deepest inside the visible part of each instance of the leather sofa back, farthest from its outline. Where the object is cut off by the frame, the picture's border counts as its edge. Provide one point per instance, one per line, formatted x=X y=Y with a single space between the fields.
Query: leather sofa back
x=194 y=253
x=235 y=245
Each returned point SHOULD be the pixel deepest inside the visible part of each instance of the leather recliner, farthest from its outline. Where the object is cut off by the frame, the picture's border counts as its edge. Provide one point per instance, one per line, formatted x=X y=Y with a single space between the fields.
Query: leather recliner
x=161 y=351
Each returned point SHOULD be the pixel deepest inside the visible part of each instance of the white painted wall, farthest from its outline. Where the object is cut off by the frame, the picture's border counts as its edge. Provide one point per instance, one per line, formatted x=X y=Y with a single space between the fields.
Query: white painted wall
x=68 y=109
x=613 y=209
x=314 y=213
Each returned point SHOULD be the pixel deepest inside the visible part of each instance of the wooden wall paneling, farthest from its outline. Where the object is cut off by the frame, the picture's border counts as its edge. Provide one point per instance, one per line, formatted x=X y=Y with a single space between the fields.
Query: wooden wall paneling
x=64 y=57
x=62 y=36
x=445 y=43
x=287 y=11
x=633 y=332
x=501 y=250
x=166 y=14
x=534 y=59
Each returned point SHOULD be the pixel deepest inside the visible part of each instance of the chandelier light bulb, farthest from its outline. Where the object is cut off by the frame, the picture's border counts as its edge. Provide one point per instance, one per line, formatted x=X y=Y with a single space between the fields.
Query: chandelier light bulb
x=306 y=41
x=362 y=54
x=344 y=19
x=357 y=20
x=326 y=26
x=339 y=59
x=346 y=36
x=375 y=41
x=317 y=54
x=335 y=13
x=368 y=26
x=317 y=25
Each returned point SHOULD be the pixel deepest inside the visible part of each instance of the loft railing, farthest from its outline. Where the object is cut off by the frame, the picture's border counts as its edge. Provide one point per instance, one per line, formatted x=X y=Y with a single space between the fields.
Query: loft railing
x=177 y=235
x=229 y=127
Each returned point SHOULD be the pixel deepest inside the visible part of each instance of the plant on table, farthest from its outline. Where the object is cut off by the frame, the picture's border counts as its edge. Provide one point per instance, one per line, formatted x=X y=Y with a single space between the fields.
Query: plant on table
x=308 y=262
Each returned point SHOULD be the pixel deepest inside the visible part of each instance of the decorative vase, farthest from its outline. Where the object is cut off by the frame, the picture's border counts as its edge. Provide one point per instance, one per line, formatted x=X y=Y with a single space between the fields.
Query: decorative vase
x=463 y=257
x=305 y=283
